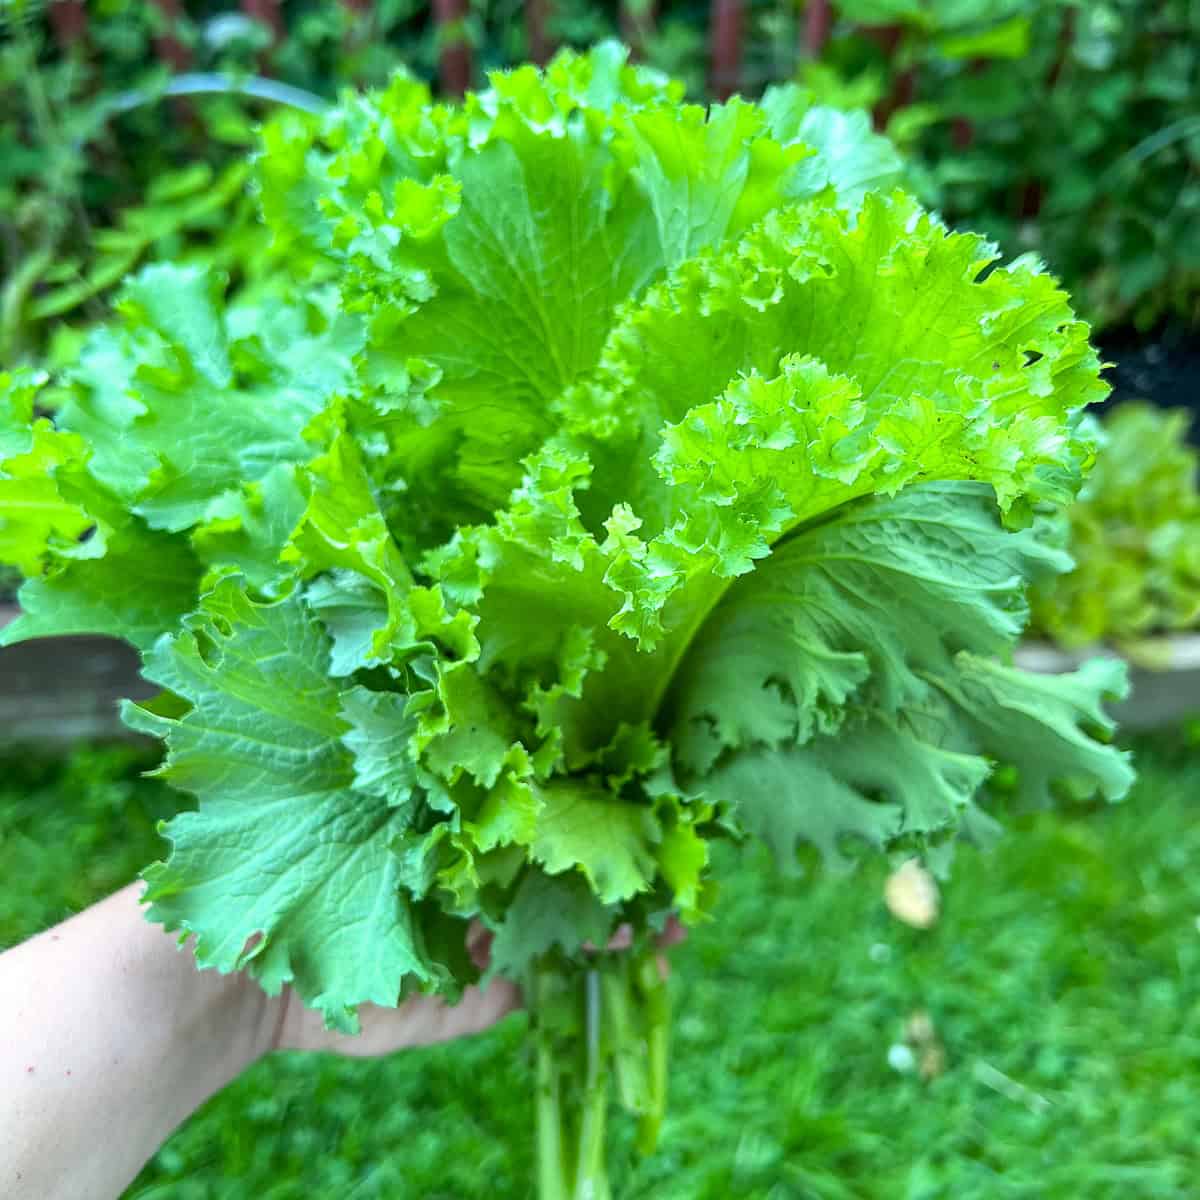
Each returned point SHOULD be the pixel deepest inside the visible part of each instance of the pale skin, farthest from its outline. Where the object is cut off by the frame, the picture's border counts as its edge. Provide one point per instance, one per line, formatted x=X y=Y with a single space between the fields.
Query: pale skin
x=112 y=1037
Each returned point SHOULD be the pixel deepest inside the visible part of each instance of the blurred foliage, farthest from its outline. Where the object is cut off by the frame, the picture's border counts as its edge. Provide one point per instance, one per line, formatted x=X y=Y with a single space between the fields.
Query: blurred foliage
x=1064 y=128
x=1134 y=533
x=87 y=192
x=74 y=829
x=1062 y=981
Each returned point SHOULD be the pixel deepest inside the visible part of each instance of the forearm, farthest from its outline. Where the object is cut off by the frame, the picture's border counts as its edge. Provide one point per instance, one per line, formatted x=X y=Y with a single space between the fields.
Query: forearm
x=104 y=1014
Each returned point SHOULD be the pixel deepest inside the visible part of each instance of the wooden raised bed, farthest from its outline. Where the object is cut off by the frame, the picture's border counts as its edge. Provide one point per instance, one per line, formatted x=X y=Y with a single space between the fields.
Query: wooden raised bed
x=65 y=690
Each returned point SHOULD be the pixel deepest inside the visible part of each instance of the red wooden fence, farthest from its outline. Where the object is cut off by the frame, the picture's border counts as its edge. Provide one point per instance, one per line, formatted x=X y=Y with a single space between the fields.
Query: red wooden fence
x=266 y=12
x=537 y=30
x=456 y=68
x=167 y=46
x=68 y=18
x=818 y=19
x=637 y=24
x=725 y=48
x=454 y=59
x=638 y=21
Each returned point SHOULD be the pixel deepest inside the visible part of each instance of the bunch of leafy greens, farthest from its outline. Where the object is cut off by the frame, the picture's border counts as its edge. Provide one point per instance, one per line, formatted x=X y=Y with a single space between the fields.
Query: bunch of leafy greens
x=640 y=480
x=1134 y=534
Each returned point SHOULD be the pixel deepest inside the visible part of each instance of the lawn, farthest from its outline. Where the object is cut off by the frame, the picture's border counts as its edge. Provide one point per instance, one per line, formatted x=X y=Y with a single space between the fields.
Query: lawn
x=1062 y=983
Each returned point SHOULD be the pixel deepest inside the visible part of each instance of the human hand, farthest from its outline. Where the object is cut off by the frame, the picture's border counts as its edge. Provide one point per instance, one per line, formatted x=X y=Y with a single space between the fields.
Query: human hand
x=423 y=1020
x=418 y=1021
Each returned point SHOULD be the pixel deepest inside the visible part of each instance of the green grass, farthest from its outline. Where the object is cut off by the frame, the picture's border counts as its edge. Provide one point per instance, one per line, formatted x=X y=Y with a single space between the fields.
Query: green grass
x=1063 y=981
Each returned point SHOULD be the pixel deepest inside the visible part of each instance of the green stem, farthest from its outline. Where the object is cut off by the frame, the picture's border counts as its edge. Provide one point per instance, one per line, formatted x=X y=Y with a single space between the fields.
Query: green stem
x=14 y=295
x=551 y=1166
x=656 y=1011
x=589 y=1023
x=628 y=1048
x=591 y=1173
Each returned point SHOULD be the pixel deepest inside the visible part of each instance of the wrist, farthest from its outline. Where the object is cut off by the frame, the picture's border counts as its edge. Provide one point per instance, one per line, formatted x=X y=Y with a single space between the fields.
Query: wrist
x=220 y=1024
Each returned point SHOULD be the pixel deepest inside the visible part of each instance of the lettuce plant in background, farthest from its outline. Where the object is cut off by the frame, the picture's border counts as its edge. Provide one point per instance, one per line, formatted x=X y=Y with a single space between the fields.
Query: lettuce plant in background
x=639 y=477
x=1134 y=534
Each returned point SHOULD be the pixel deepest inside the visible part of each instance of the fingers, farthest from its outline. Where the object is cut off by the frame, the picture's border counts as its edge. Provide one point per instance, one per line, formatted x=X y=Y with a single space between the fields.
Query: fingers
x=479 y=944
x=419 y=1021
x=426 y=1020
x=673 y=933
x=622 y=939
x=479 y=1009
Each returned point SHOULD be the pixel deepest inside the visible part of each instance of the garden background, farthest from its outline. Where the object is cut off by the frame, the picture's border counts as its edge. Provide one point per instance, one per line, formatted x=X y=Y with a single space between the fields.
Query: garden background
x=1042 y=1038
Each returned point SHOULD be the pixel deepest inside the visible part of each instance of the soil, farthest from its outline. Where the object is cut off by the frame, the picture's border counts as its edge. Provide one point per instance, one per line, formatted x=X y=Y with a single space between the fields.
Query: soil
x=1162 y=367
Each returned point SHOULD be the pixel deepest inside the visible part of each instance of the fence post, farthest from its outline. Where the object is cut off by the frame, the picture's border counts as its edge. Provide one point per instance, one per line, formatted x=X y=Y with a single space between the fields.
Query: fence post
x=818 y=18
x=69 y=20
x=1066 y=35
x=962 y=131
x=266 y=12
x=539 y=42
x=1030 y=195
x=725 y=48
x=904 y=86
x=167 y=46
x=637 y=24
x=454 y=58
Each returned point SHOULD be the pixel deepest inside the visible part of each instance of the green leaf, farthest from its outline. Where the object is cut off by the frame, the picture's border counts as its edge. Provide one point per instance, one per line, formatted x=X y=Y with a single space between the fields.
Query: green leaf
x=470 y=730
x=182 y=402
x=249 y=529
x=865 y=607
x=865 y=653
x=91 y=566
x=378 y=738
x=848 y=157
x=284 y=847
x=782 y=798
x=1046 y=725
x=342 y=530
x=708 y=174
x=683 y=860
x=353 y=611
x=18 y=393
x=143 y=585
x=546 y=913
x=1008 y=39
x=35 y=518
x=587 y=829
